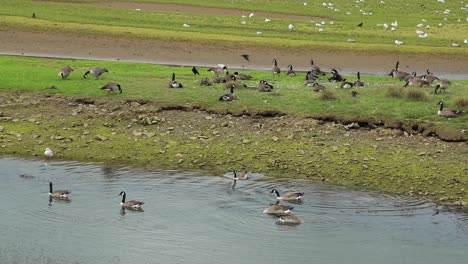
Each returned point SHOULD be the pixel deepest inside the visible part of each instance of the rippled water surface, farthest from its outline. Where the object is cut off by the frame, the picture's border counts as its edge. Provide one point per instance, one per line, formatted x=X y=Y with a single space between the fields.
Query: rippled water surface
x=203 y=219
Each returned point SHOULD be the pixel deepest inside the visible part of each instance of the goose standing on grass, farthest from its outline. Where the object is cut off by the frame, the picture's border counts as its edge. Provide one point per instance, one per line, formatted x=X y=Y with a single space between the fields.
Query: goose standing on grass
x=111 y=87
x=58 y=193
x=291 y=72
x=310 y=76
x=173 y=83
x=315 y=69
x=278 y=209
x=447 y=112
x=229 y=96
x=358 y=82
x=98 y=71
x=48 y=153
x=289 y=219
x=396 y=73
x=288 y=196
x=442 y=85
x=65 y=72
x=133 y=204
x=275 y=69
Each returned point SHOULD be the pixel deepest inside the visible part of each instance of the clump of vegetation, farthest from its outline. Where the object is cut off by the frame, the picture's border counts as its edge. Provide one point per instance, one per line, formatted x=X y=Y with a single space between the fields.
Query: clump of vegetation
x=416 y=94
x=328 y=95
x=395 y=91
x=462 y=102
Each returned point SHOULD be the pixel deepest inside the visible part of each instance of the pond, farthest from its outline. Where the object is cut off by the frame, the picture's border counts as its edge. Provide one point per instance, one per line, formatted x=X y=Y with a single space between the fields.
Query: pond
x=189 y=218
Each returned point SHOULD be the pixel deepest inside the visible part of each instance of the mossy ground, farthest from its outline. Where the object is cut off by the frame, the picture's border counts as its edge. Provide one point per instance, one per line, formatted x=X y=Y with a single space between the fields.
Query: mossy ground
x=146 y=135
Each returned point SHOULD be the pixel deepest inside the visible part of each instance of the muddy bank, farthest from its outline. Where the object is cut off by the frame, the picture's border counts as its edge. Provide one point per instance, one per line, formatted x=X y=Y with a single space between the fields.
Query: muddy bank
x=48 y=44
x=143 y=134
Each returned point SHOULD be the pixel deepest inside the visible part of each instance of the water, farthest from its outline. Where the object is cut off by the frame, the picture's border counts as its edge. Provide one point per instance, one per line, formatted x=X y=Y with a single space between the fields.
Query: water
x=203 y=219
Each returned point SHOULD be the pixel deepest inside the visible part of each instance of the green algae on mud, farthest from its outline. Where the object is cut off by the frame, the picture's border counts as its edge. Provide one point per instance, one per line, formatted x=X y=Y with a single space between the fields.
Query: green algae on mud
x=146 y=135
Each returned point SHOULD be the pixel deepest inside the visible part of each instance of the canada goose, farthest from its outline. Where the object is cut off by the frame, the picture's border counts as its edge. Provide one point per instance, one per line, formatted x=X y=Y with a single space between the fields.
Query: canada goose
x=288 y=196
x=229 y=96
x=275 y=69
x=130 y=204
x=336 y=76
x=429 y=77
x=98 y=71
x=354 y=93
x=416 y=82
x=195 y=71
x=205 y=82
x=443 y=84
x=358 y=82
x=244 y=175
x=111 y=87
x=346 y=85
x=411 y=76
x=289 y=219
x=173 y=83
x=447 y=112
x=315 y=69
x=65 y=72
x=264 y=86
x=58 y=193
x=229 y=77
x=217 y=70
x=242 y=76
x=311 y=76
x=396 y=73
x=48 y=153
x=277 y=209
x=316 y=87
x=291 y=72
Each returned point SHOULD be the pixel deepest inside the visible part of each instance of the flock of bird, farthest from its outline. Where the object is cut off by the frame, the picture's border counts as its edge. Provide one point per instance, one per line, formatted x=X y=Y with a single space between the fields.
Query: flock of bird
x=311 y=79
x=282 y=212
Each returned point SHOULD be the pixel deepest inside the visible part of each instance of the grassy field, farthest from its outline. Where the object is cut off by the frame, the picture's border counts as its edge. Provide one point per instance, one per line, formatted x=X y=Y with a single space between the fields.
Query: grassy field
x=149 y=82
x=209 y=27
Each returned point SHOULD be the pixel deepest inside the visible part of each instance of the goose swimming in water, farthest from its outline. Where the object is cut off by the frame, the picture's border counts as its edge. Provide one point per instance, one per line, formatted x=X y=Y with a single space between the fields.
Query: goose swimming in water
x=278 y=209
x=289 y=219
x=58 y=193
x=288 y=196
x=129 y=204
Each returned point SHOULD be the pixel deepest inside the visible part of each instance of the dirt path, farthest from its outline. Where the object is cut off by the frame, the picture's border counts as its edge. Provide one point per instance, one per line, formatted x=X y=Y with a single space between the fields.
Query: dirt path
x=177 y=53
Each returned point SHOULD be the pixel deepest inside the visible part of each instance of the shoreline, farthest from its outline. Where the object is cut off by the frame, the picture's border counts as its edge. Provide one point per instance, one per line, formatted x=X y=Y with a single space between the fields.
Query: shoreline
x=150 y=136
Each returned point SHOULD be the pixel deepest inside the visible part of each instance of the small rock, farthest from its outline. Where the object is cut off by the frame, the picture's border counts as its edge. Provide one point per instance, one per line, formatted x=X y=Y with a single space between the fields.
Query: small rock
x=101 y=138
x=275 y=138
x=2 y=128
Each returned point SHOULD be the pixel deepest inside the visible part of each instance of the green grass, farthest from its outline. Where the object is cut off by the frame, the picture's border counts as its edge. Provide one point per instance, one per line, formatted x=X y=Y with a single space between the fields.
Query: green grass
x=149 y=82
x=75 y=17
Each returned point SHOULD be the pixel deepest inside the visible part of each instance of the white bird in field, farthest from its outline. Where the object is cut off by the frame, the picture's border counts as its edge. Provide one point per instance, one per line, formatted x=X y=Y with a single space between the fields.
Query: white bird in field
x=267 y=20
x=291 y=27
x=186 y=25
x=465 y=41
x=48 y=153
x=251 y=15
x=399 y=42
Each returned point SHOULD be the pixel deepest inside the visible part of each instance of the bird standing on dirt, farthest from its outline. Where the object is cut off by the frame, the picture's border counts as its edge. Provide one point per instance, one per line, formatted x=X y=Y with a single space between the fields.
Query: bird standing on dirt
x=246 y=57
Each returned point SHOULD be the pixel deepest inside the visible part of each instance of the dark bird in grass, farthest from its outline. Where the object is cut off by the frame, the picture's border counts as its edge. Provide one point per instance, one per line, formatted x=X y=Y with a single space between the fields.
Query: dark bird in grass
x=360 y=24
x=34 y=15
x=195 y=71
x=111 y=87
x=246 y=57
x=353 y=93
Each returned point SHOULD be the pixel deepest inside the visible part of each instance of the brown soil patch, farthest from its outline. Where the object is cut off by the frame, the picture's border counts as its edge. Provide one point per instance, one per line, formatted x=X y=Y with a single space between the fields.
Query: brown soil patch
x=60 y=45
x=199 y=10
